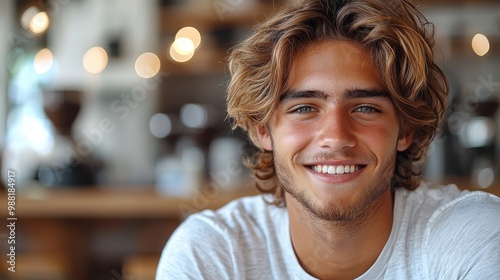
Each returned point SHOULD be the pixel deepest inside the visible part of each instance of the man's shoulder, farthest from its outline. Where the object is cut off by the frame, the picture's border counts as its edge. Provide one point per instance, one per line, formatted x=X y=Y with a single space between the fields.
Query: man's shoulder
x=248 y=213
x=448 y=213
x=433 y=198
x=431 y=210
x=468 y=209
x=463 y=234
x=444 y=227
x=223 y=242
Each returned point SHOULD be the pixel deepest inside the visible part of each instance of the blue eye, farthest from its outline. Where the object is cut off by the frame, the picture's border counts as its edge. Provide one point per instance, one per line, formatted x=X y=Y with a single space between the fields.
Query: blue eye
x=366 y=109
x=303 y=109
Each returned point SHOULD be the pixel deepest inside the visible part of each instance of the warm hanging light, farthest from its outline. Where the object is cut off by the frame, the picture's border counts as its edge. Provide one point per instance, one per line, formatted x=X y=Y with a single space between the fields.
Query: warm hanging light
x=147 y=65
x=187 y=39
x=95 y=60
x=39 y=23
x=34 y=20
x=43 y=61
x=27 y=16
x=182 y=49
x=184 y=46
x=191 y=33
x=480 y=44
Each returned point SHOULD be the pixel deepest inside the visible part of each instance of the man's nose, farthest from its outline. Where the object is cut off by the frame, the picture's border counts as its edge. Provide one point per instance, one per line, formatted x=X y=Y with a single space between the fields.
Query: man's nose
x=336 y=130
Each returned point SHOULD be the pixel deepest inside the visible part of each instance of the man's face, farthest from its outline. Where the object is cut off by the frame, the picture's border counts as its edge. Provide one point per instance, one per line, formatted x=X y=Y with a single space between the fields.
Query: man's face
x=335 y=133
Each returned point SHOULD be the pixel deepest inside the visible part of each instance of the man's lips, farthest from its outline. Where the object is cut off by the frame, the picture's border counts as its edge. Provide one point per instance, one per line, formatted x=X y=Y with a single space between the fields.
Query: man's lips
x=336 y=169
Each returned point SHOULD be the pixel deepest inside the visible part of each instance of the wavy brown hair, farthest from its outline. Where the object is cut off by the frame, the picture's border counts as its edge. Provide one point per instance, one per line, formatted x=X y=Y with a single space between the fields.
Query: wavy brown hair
x=399 y=40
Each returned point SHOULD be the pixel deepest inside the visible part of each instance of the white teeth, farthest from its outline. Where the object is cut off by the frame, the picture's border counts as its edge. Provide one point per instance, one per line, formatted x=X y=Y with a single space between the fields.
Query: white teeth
x=331 y=169
x=336 y=169
x=340 y=169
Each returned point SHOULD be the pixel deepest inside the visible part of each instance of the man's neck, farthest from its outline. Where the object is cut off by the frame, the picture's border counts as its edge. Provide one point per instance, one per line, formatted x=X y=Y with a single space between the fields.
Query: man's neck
x=340 y=250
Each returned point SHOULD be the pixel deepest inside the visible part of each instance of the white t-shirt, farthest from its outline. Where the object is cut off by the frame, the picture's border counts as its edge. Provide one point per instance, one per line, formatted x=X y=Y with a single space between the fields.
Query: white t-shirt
x=437 y=233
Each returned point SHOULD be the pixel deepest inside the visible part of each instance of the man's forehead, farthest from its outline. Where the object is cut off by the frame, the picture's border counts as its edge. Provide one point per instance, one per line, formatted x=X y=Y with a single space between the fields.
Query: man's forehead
x=346 y=49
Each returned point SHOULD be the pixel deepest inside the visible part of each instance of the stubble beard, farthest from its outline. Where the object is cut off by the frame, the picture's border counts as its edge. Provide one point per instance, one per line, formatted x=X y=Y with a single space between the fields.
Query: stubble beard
x=332 y=212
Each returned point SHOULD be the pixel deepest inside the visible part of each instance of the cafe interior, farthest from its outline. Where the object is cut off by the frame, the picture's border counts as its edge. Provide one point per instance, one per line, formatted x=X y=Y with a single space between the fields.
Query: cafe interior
x=113 y=124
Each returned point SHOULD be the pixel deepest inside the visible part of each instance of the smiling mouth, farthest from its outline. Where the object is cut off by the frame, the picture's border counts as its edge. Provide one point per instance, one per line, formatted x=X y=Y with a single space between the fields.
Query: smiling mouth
x=336 y=169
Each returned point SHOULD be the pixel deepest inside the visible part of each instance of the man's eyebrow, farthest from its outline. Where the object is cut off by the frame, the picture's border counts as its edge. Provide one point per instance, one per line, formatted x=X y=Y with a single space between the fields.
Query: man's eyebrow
x=365 y=93
x=296 y=94
x=348 y=94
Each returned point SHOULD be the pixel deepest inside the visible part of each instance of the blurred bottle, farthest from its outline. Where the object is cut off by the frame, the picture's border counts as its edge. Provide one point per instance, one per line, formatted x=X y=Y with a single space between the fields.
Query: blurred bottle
x=225 y=163
x=181 y=174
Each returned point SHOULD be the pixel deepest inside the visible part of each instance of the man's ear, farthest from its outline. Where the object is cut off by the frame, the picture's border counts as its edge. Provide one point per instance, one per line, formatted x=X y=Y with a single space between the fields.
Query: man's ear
x=264 y=138
x=405 y=140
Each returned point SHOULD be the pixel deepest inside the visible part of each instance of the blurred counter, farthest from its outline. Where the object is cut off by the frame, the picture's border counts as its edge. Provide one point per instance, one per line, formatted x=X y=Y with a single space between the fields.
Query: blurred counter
x=98 y=232
x=467 y=184
x=143 y=202
x=116 y=202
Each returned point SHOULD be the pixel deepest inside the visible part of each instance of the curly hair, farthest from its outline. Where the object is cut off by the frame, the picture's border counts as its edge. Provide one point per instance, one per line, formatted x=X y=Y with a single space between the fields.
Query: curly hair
x=400 y=42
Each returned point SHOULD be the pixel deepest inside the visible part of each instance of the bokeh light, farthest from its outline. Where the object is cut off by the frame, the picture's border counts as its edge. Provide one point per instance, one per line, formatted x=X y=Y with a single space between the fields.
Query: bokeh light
x=34 y=20
x=27 y=16
x=147 y=65
x=182 y=50
x=160 y=125
x=184 y=46
x=186 y=41
x=194 y=115
x=43 y=61
x=39 y=23
x=95 y=60
x=478 y=132
x=191 y=33
x=485 y=177
x=480 y=44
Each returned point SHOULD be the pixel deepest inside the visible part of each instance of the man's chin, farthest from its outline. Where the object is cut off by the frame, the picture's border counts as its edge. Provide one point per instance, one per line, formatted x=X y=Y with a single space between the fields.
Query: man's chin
x=334 y=207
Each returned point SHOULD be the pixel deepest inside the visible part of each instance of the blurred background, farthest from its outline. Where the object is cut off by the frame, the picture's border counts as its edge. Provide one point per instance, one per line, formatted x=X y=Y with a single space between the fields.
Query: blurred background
x=113 y=122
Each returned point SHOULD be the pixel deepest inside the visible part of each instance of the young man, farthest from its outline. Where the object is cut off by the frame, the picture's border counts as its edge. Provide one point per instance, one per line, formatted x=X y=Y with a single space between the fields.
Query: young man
x=342 y=98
